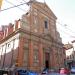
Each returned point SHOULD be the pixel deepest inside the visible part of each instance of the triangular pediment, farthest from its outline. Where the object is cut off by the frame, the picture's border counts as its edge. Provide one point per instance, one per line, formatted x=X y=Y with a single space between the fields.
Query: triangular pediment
x=45 y=7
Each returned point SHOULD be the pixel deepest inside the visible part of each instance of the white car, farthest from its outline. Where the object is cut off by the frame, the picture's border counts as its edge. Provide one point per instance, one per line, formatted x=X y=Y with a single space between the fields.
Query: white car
x=73 y=70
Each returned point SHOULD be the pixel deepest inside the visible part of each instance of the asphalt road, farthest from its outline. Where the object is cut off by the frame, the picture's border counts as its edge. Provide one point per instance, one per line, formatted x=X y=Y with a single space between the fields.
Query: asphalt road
x=72 y=74
x=59 y=74
x=56 y=74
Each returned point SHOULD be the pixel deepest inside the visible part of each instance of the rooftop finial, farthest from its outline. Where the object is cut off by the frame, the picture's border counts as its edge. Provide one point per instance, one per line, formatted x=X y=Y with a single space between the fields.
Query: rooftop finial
x=31 y=1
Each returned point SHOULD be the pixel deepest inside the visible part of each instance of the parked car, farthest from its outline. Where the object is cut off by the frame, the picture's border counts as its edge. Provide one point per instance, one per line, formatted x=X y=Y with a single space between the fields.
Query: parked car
x=3 y=72
x=64 y=71
x=73 y=70
x=26 y=72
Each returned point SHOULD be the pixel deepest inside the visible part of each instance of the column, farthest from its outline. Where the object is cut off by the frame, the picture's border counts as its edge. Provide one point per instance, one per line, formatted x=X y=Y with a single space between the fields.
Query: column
x=20 y=51
x=30 y=55
x=41 y=55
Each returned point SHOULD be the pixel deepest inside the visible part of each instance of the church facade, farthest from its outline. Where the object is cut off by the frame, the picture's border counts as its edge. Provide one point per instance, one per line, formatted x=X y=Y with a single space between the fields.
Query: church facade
x=33 y=42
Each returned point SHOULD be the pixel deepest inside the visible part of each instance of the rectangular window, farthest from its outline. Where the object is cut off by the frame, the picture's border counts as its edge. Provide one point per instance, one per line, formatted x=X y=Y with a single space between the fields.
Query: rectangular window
x=16 y=43
x=46 y=24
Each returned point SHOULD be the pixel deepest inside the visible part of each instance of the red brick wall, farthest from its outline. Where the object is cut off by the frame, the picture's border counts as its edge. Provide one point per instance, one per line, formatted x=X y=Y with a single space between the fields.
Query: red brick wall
x=1 y=35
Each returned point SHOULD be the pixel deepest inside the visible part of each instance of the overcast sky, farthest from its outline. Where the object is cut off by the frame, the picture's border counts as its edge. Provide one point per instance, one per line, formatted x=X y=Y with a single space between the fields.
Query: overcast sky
x=63 y=9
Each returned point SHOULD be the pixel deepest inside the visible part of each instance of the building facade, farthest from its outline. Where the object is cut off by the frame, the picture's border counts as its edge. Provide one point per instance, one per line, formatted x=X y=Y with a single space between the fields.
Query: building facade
x=33 y=42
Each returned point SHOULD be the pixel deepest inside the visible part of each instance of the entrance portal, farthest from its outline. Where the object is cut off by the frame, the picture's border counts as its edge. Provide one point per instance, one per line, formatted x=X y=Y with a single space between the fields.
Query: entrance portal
x=46 y=60
x=47 y=63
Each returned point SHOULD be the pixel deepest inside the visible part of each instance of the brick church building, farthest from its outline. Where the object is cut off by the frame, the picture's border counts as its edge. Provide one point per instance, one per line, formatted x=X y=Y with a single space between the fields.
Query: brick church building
x=33 y=41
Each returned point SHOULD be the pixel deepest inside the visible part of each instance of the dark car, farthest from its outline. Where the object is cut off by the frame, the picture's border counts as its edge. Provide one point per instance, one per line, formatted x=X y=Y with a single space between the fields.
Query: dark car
x=2 y=72
x=45 y=71
x=26 y=72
